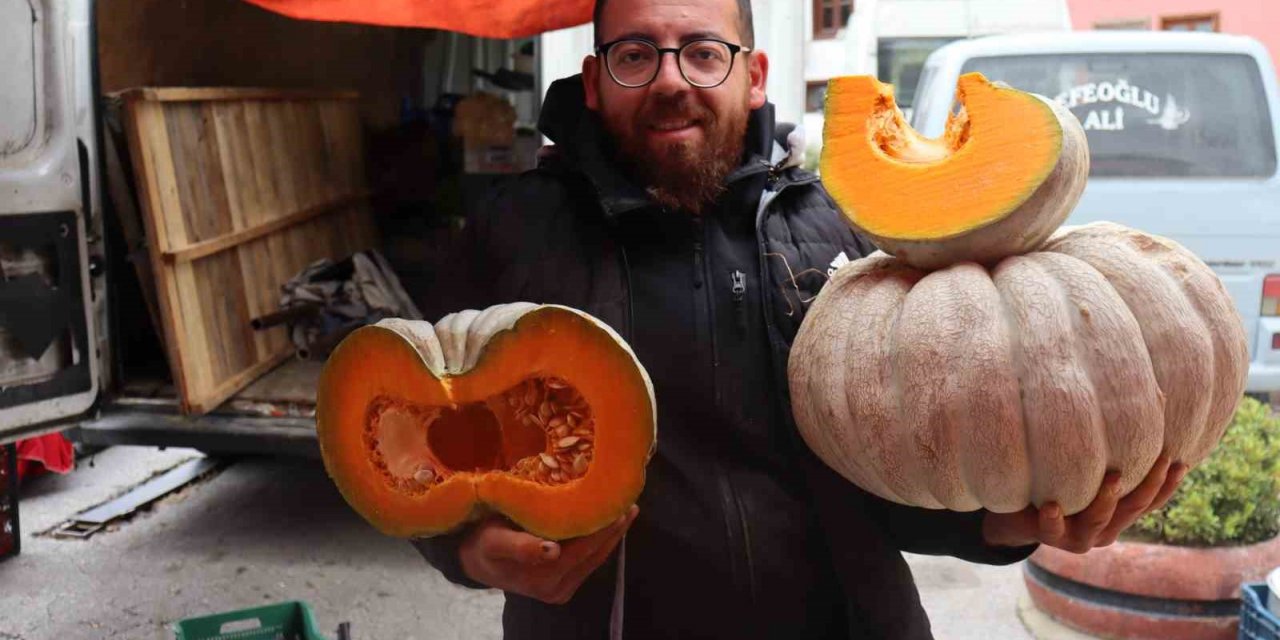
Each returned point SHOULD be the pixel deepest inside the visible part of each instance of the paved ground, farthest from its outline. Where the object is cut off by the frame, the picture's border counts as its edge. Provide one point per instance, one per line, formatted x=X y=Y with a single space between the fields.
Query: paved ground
x=268 y=530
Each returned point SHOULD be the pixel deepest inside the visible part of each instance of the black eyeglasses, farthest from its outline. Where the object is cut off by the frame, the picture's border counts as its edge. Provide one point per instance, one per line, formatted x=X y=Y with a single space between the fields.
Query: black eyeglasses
x=705 y=63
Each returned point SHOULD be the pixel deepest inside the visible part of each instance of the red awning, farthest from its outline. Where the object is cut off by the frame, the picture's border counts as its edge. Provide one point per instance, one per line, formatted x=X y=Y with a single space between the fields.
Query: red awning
x=485 y=18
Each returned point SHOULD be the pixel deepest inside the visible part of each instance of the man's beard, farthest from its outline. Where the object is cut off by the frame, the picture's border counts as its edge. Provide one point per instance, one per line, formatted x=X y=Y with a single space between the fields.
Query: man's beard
x=685 y=175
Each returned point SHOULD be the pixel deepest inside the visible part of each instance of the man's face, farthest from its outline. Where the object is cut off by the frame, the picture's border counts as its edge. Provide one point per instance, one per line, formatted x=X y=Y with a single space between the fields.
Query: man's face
x=679 y=139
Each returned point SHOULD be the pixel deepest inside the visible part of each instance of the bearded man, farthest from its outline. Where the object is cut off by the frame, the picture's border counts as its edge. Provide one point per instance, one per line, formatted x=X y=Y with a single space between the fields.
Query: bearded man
x=669 y=208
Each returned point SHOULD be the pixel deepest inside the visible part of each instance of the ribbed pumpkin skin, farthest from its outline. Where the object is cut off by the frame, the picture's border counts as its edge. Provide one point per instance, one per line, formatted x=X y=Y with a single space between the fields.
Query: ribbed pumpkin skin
x=969 y=387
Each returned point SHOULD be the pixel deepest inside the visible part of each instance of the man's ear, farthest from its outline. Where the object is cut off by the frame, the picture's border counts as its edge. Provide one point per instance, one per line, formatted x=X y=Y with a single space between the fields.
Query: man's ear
x=591 y=81
x=758 y=71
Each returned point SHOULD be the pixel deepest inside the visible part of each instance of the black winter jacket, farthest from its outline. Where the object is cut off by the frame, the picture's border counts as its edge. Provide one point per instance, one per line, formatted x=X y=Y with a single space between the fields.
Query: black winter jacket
x=742 y=532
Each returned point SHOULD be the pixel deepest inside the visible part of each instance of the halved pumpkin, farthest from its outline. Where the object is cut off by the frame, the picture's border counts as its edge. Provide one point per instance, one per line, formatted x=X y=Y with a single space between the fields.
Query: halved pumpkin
x=541 y=413
x=1009 y=169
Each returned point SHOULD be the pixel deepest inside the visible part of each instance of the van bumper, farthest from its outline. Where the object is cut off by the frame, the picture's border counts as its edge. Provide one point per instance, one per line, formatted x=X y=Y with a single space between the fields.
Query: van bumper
x=213 y=434
x=1263 y=378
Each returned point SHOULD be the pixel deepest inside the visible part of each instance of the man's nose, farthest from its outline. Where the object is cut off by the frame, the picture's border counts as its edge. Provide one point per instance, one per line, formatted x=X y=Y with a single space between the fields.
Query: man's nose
x=669 y=81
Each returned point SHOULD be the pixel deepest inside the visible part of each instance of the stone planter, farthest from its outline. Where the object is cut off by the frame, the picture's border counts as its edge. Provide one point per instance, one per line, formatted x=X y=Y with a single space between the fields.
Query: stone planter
x=1139 y=591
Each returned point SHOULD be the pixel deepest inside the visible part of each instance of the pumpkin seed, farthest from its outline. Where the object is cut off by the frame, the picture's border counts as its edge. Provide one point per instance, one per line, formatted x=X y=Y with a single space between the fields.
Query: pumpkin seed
x=561 y=431
x=579 y=464
x=425 y=475
x=549 y=461
x=565 y=443
x=585 y=446
x=556 y=383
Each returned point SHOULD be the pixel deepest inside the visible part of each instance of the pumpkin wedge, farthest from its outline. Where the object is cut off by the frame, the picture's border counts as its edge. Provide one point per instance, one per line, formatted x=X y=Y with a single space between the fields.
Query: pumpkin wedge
x=1008 y=170
x=538 y=412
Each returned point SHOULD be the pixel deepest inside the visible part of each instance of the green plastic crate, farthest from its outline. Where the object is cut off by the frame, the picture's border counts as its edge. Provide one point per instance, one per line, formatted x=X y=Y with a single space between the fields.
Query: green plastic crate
x=283 y=621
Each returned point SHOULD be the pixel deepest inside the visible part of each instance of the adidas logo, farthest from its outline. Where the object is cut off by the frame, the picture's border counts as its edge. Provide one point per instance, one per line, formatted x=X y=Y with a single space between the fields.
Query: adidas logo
x=837 y=262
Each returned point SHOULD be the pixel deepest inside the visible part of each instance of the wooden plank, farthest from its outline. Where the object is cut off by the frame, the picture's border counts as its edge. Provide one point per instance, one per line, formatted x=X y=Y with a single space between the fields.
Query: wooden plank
x=310 y=183
x=214 y=94
x=207 y=401
x=294 y=381
x=201 y=188
x=242 y=197
x=157 y=188
x=265 y=187
x=198 y=250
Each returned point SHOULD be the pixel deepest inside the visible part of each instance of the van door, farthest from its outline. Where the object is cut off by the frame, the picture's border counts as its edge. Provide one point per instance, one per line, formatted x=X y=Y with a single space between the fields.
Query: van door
x=48 y=349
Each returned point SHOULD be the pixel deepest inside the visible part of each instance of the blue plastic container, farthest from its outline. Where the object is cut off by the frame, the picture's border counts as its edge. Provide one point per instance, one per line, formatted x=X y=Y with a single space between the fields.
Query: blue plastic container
x=1256 y=621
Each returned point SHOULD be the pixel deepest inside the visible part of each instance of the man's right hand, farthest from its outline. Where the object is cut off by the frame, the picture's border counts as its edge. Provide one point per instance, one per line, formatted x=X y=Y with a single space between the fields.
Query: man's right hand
x=497 y=555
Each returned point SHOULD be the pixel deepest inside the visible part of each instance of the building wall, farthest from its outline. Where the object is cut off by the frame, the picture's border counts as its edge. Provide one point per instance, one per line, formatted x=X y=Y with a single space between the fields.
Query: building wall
x=1256 y=18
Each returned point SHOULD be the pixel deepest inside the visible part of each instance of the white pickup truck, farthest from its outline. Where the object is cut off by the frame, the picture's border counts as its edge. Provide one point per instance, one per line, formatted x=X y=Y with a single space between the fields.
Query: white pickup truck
x=1182 y=136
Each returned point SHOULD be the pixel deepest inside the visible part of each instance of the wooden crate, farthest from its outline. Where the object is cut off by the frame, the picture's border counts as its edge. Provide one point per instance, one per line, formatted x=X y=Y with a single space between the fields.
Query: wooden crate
x=240 y=189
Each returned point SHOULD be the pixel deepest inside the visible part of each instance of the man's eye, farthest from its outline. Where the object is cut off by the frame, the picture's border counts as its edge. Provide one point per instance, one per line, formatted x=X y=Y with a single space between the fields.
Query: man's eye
x=706 y=54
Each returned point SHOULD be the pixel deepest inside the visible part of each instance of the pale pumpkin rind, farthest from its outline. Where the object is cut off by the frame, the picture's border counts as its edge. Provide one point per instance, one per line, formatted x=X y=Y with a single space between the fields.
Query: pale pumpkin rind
x=1009 y=170
x=469 y=357
x=972 y=387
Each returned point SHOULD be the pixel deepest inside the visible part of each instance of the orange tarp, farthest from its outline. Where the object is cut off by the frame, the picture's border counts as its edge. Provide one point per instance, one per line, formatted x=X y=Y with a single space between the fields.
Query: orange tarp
x=485 y=18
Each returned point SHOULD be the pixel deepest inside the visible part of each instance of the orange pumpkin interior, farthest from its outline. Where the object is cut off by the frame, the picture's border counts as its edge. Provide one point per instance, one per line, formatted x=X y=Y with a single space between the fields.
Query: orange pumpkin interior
x=998 y=147
x=552 y=427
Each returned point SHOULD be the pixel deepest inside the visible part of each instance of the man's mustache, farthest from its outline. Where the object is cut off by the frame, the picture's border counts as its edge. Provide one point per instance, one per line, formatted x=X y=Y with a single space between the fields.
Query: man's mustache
x=678 y=108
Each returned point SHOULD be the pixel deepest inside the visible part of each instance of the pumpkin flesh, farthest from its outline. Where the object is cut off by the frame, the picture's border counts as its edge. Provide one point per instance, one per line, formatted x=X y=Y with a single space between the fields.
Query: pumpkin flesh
x=1007 y=171
x=425 y=428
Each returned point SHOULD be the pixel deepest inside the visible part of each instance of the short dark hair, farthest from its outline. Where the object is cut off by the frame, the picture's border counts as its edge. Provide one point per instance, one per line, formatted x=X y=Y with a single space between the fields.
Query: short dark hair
x=746 y=24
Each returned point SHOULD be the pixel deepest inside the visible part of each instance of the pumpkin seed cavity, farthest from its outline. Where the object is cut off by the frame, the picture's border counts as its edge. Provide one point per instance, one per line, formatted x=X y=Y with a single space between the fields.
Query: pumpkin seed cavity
x=541 y=430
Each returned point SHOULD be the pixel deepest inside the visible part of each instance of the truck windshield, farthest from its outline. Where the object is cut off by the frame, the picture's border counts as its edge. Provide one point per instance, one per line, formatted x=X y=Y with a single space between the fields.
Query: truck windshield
x=1155 y=115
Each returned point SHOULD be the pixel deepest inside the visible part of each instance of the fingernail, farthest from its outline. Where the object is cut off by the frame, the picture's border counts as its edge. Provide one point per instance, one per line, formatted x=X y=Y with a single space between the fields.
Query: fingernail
x=548 y=549
x=1053 y=511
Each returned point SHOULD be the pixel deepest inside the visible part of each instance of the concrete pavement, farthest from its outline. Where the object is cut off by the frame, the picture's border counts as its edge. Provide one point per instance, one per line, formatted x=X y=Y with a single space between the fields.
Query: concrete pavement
x=267 y=530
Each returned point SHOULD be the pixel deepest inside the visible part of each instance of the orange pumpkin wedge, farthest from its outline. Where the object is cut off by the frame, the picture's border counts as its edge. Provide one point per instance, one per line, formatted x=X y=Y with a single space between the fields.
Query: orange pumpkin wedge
x=541 y=413
x=1008 y=171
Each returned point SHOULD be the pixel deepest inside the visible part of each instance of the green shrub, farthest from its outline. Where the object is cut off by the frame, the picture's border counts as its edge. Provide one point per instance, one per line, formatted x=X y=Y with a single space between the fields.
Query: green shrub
x=1233 y=497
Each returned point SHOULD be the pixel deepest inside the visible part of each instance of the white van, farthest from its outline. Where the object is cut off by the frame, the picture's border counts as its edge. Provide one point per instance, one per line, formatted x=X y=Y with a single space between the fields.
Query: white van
x=1182 y=136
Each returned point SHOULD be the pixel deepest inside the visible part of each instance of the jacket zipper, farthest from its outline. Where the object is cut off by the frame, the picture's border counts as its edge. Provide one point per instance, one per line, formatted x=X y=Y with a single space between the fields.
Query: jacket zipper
x=738 y=541
x=626 y=279
x=738 y=284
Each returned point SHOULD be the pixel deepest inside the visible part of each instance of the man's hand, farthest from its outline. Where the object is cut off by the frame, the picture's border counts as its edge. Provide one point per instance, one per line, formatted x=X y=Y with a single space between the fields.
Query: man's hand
x=499 y=556
x=1098 y=525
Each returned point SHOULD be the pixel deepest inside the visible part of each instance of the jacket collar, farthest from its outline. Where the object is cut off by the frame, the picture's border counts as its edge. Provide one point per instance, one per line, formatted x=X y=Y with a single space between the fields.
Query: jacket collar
x=581 y=146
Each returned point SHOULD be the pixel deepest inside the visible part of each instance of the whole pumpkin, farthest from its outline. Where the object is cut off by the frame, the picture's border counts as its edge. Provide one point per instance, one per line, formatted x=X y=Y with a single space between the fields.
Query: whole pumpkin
x=1023 y=382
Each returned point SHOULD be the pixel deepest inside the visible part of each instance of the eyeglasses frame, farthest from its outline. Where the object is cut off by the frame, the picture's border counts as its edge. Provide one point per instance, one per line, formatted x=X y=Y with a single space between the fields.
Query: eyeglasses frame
x=602 y=52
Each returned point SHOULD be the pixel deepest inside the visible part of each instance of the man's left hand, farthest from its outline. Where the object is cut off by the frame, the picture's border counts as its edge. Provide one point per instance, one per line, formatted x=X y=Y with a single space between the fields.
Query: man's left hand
x=1098 y=525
